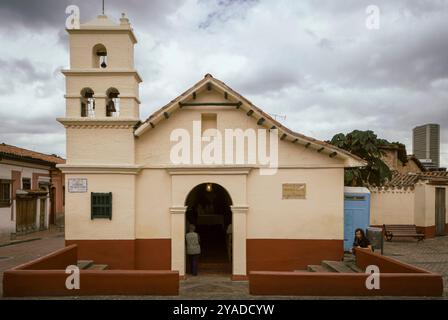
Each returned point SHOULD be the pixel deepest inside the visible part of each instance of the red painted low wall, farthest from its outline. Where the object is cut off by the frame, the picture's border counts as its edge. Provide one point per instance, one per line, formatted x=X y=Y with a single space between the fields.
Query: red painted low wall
x=396 y=279
x=365 y=258
x=290 y=254
x=59 y=259
x=338 y=284
x=34 y=283
x=117 y=254
x=46 y=277
x=140 y=254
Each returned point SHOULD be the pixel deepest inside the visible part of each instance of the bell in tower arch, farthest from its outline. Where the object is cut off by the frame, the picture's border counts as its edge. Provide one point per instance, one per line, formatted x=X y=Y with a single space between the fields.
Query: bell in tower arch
x=103 y=61
x=99 y=56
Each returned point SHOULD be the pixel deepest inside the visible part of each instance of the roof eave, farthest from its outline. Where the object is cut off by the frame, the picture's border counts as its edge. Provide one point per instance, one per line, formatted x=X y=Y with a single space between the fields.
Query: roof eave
x=351 y=160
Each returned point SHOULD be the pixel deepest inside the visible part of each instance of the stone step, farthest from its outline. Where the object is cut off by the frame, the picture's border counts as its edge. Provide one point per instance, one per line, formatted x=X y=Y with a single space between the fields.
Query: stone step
x=348 y=257
x=337 y=266
x=98 y=267
x=318 y=268
x=354 y=267
x=84 y=264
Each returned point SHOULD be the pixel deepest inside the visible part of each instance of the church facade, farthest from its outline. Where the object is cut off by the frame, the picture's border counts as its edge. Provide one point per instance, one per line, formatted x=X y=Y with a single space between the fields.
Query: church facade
x=261 y=196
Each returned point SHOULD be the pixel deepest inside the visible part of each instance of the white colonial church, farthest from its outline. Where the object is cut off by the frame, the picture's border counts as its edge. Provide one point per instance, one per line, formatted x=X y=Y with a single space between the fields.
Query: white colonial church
x=133 y=185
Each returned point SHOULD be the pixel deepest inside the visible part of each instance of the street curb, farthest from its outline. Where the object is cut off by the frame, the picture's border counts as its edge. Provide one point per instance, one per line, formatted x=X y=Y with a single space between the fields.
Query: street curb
x=18 y=241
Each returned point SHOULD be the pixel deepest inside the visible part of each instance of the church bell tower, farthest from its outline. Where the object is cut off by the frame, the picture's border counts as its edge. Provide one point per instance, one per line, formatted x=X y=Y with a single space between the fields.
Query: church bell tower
x=102 y=93
x=102 y=109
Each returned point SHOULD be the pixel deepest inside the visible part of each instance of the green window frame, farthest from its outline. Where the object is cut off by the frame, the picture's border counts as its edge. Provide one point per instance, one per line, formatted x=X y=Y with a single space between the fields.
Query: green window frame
x=5 y=193
x=101 y=205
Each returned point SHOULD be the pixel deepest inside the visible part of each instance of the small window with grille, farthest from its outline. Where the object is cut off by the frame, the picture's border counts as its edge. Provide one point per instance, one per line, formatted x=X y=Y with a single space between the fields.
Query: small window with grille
x=101 y=205
x=26 y=183
x=5 y=193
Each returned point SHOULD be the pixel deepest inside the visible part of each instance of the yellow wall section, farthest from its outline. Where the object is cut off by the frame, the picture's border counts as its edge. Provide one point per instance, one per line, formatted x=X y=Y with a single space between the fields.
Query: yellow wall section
x=100 y=146
x=289 y=154
x=397 y=206
x=319 y=216
x=78 y=223
x=120 y=49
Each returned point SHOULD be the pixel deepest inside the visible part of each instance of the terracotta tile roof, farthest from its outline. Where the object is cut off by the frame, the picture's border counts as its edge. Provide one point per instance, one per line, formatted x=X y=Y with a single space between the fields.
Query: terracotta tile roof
x=17 y=152
x=408 y=180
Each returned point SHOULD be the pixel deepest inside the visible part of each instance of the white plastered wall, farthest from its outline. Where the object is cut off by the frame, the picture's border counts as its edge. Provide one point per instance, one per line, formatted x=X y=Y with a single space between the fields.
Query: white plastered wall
x=400 y=206
x=319 y=216
x=393 y=206
x=78 y=222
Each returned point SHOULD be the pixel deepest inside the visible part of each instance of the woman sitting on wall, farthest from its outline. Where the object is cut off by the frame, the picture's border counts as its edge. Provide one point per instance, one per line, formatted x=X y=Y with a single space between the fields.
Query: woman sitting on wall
x=360 y=241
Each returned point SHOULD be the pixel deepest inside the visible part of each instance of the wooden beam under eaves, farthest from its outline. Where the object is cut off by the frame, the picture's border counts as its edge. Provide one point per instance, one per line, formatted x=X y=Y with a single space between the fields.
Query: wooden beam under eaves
x=166 y=115
x=194 y=95
x=238 y=105
x=283 y=136
x=320 y=149
x=196 y=104
x=308 y=144
x=333 y=154
x=273 y=127
x=226 y=96
x=249 y=113
x=260 y=121
x=295 y=140
x=152 y=125
x=209 y=86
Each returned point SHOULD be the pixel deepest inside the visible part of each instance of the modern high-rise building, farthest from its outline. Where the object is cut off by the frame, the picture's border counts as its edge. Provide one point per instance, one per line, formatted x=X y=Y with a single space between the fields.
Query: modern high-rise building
x=426 y=144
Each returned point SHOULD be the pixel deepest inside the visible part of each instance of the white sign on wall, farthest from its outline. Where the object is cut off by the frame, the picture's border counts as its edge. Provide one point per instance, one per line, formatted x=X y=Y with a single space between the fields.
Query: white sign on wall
x=77 y=185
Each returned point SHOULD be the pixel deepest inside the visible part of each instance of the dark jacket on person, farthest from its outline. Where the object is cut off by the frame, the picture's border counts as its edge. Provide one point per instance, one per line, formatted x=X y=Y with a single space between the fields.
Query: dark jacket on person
x=363 y=243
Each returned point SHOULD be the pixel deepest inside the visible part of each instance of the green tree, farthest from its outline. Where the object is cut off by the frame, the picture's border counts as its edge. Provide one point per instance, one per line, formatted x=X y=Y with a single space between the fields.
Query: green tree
x=366 y=145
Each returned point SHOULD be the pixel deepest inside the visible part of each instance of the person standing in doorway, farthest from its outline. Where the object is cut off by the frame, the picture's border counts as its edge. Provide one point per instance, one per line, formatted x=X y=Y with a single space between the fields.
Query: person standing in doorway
x=229 y=241
x=193 y=249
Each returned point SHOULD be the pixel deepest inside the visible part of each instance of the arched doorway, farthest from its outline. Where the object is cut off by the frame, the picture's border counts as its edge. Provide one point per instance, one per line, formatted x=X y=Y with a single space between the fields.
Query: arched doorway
x=208 y=207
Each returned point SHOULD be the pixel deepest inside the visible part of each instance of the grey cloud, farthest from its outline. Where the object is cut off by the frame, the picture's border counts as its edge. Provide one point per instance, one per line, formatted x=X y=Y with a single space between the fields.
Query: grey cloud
x=49 y=143
x=35 y=125
x=33 y=14
x=16 y=72
x=226 y=10
x=265 y=79
x=51 y=13
x=417 y=8
x=404 y=61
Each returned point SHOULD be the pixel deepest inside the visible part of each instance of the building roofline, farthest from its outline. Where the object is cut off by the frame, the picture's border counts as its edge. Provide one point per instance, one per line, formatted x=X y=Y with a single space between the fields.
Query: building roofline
x=30 y=156
x=14 y=157
x=246 y=105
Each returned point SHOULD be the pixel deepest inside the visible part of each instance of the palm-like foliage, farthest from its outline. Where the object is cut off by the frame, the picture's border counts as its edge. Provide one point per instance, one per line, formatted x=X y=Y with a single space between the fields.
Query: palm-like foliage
x=366 y=145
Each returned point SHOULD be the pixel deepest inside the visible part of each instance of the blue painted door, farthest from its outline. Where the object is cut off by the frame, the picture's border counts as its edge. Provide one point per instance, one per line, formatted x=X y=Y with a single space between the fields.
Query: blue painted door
x=356 y=215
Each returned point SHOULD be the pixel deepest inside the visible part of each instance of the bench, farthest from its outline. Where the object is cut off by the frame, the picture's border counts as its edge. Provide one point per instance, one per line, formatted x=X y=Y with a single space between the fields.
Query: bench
x=401 y=230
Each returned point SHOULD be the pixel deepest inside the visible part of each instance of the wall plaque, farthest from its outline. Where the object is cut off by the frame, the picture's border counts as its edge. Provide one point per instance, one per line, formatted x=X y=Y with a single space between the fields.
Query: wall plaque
x=77 y=185
x=293 y=191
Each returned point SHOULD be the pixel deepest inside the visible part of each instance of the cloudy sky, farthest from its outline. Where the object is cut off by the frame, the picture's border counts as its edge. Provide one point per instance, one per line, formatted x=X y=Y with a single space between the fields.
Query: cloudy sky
x=314 y=62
